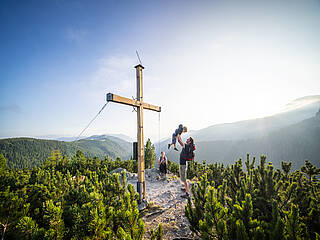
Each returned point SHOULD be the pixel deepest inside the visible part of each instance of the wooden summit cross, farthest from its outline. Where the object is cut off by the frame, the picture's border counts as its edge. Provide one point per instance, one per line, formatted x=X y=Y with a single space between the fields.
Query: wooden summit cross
x=141 y=184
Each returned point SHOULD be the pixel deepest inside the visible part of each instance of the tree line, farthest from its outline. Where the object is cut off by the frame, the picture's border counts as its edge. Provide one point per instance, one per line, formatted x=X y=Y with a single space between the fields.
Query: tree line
x=30 y=152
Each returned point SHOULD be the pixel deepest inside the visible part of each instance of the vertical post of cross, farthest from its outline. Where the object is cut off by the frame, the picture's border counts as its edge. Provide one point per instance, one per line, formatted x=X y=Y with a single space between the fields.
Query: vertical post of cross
x=141 y=185
x=140 y=105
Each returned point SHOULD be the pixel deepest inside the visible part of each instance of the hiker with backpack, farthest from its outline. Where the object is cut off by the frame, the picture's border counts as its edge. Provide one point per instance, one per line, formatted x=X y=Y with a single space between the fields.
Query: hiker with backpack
x=187 y=154
x=163 y=163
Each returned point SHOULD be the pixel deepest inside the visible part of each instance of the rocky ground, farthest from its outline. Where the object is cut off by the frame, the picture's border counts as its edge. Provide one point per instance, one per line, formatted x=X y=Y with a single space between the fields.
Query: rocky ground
x=165 y=205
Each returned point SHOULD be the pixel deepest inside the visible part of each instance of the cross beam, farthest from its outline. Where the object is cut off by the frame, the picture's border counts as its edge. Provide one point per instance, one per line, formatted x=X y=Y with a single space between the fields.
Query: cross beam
x=131 y=102
x=141 y=185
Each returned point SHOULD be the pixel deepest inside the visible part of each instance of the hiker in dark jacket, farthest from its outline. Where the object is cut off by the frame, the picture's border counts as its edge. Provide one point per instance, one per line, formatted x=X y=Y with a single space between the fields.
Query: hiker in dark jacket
x=163 y=163
x=186 y=154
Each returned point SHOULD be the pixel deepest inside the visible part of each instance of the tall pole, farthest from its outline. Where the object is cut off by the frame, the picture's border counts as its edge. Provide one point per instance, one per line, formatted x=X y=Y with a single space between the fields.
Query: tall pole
x=140 y=105
x=141 y=185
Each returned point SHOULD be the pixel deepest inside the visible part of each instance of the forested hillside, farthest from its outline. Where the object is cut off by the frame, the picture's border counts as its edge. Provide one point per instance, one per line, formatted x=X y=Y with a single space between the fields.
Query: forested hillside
x=29 y=152
x=294 y=143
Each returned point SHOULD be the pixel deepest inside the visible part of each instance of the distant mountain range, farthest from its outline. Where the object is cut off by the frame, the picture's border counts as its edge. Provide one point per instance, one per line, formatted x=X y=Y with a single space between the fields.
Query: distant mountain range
x=284 y=136
x=96 y=137
x=292 y=135
x=115 y=137
x=294 y=143
x=297 y=110
x=261 y=126
x=29 y=152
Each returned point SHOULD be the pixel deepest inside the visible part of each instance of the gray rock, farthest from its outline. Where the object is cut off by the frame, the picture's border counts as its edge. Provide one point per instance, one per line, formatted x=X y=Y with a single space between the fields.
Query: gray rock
x=142 y=205
x=152 y=174
x=134 y=176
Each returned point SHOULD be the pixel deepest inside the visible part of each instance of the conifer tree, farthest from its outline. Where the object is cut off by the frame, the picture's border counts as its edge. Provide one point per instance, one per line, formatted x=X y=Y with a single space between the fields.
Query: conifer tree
x=3 y=163
x=173 y=167
x=195 y=210
x=149 y=154
x=310 y=170
x=29 y=229
x=294 y=228
x=157 y=234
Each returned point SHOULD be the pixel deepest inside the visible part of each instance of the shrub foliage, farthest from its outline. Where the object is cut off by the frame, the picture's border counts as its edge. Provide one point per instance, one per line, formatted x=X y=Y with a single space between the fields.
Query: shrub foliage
x=69 y=199
x=255 y=202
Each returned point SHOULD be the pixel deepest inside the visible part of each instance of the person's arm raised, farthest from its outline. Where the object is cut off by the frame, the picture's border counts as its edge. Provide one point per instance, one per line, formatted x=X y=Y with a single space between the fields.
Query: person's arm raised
x=180 y=141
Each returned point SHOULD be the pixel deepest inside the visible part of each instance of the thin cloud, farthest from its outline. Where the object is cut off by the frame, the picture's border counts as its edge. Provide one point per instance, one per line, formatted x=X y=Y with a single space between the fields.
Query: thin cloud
x=300 y=102
x=75 y=35
x=115 y=73
x=11 y=108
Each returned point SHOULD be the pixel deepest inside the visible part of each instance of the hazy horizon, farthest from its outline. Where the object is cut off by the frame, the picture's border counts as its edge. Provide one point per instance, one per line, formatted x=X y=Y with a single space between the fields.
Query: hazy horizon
x=294 y=105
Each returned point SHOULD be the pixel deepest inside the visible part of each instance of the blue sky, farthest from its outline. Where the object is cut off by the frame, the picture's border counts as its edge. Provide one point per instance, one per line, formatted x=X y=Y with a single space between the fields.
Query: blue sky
x=206 y=62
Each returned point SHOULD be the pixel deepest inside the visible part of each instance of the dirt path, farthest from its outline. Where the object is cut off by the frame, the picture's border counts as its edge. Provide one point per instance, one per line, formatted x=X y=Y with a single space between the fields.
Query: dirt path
x=166 y=206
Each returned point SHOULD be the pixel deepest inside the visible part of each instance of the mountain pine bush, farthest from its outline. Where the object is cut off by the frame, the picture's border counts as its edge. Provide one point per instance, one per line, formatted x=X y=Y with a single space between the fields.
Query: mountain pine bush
x=255 y=203
x=68 y=199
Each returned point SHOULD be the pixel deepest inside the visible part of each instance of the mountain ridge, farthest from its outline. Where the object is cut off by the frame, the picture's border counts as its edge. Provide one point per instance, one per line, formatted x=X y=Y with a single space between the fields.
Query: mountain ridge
x=29 y=152
x=253 y=128
x=295 y=143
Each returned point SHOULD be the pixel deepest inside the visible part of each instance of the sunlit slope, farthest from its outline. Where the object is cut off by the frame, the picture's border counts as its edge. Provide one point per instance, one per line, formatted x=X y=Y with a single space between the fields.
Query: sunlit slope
x=29 y=152
x=295 y=112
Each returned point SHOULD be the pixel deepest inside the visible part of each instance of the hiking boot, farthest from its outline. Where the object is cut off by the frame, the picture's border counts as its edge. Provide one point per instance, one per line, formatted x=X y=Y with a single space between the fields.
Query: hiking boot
x=168 y=145
x=176 y=149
